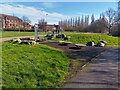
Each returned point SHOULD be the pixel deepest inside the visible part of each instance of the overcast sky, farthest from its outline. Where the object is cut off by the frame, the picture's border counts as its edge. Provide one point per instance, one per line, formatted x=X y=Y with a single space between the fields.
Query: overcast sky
x=54 y=11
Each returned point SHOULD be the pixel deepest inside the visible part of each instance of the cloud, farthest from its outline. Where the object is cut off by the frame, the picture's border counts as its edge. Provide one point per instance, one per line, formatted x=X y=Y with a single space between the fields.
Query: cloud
x=31 y=12
x=48 y=4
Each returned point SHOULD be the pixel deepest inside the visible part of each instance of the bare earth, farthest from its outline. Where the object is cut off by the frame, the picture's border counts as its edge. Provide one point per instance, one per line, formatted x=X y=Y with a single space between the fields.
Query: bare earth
x=102 y=72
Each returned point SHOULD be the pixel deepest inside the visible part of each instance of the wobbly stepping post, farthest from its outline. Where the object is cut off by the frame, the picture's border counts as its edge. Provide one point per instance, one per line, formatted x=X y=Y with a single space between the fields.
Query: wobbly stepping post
x=35 y=32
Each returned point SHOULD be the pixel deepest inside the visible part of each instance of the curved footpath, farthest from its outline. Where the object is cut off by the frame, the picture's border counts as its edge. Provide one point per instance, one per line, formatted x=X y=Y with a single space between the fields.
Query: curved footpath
x=10 y=38
x=102 y=72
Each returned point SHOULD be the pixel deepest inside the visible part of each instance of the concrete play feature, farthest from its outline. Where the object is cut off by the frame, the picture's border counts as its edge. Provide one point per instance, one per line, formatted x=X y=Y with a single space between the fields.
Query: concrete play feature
x=64 y=43
x=27 y=40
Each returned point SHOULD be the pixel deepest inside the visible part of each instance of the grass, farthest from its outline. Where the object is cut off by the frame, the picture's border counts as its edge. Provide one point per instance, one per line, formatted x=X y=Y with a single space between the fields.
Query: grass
x=26 y=66
x=83 y=38
x=17 y=33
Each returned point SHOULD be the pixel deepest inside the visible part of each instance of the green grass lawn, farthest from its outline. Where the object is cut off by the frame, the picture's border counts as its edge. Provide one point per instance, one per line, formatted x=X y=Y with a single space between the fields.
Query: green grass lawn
x=83 y=38
x=12 y=34
x=38 y=66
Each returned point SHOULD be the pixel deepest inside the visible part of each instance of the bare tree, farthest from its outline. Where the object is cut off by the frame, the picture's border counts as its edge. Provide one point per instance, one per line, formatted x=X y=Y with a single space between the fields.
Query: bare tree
x=26 y=22
x=110 y=13
x=119 y=10
x=92 y=18
x=42 y=24
x=117 y=15
x=75 y=24
x=115 y=29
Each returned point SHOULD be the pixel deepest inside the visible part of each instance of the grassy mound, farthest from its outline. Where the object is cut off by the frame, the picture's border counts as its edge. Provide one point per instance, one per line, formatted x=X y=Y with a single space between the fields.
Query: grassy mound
x=84 y=38
x=36 y=66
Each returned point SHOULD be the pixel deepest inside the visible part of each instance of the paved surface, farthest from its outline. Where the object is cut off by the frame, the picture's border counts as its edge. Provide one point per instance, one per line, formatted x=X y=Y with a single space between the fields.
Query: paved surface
x=10 y=38
x=102 y=72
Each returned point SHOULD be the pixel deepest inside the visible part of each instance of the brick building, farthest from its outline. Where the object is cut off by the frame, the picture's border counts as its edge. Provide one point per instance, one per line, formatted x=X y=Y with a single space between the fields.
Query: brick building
x=8 y=22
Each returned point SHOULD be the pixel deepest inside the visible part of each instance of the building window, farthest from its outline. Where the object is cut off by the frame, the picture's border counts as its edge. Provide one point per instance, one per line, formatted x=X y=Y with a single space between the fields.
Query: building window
x=1 y=19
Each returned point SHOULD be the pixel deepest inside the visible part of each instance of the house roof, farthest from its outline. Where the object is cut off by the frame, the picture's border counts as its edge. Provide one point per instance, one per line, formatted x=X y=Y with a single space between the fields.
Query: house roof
x=10 y=17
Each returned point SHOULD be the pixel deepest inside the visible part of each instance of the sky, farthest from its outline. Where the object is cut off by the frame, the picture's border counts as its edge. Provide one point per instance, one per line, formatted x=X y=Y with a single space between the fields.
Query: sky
x=54 y=11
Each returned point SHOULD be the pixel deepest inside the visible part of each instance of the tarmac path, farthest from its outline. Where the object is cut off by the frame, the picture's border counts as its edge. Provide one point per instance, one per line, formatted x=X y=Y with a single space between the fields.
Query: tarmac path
x=101 y=72
x=10 y=38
